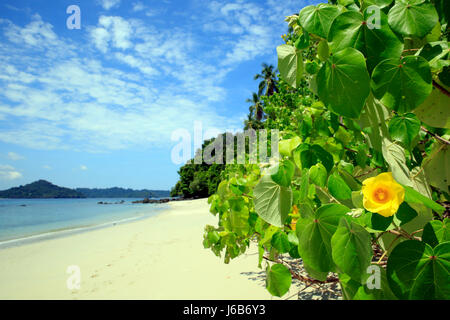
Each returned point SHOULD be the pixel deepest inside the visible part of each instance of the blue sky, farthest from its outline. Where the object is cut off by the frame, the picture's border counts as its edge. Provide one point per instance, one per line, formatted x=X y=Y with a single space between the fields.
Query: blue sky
x=96 y=107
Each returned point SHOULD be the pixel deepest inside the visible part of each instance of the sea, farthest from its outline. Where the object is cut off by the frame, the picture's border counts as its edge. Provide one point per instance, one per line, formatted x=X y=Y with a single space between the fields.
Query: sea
x=30 y=220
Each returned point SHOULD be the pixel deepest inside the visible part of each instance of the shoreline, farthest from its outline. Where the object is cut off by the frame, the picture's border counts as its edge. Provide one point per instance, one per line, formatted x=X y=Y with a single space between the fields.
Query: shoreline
x=67 y=231
x=161 y=257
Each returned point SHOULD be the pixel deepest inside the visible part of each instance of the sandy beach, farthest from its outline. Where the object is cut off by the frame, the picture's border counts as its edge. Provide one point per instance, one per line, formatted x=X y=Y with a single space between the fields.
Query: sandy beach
x=161 y=257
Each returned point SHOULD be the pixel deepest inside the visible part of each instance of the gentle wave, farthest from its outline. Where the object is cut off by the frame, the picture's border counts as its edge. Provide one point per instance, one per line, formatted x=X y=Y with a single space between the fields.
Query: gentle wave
x=67 y=231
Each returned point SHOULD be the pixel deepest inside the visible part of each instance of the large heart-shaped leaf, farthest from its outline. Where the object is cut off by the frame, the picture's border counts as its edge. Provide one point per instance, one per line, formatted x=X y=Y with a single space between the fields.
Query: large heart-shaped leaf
x=290 y=64
x=436 y=232
x=317 y=19
x=434 y=111
x=417 y=271
x=402 y=85
x=306 y=156
x=314 y=236
x=437 y=167
x=412 y=17
x=272 y=201
x=404 y=128
x=278 y=279
x=376 y=42
x=343 y=82
x=352 y=249
x=338 y=188
x=283 y=173
x=280 y=242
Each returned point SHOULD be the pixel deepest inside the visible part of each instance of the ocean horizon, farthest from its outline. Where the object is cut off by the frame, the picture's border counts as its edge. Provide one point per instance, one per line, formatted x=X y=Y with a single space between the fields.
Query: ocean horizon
x=30 y=220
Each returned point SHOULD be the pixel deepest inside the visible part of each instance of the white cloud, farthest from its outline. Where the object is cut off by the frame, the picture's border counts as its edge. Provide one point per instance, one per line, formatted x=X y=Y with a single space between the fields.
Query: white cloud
x=138 y=6
x=59 y=95
x=47 y=167
x=83 y=168
x=86 y=104
x=37 y=32
x=108 y=4
x=114 y=30
x=14 y=156
x=9 y=173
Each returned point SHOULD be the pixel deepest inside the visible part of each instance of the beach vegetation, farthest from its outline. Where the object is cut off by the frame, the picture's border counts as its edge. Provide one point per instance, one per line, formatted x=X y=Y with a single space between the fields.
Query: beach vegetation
x=360 y=192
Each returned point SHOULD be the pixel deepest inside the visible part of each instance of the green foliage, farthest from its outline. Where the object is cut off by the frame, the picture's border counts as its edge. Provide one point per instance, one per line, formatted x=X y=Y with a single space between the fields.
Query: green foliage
x=278 y=279
x=374 y=99
x=417 y=271
x=40 y=189
x=340 y=74
x=272 y=201
x=351 y=249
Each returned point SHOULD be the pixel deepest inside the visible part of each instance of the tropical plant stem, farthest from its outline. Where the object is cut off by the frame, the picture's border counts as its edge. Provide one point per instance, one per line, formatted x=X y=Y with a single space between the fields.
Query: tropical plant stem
x=435 y=136
x=441 y=88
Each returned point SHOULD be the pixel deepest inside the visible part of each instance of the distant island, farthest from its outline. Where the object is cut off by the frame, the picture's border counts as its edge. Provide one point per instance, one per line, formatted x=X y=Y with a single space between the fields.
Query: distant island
x=43 y=189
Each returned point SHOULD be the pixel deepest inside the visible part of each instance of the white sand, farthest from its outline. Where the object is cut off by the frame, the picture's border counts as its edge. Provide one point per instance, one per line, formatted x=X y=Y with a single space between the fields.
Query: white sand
x=157 y=258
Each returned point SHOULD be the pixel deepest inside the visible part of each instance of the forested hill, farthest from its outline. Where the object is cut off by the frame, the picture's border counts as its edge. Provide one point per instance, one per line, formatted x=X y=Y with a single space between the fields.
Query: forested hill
x=44 y=189
x=40 y=189
x=122 y=193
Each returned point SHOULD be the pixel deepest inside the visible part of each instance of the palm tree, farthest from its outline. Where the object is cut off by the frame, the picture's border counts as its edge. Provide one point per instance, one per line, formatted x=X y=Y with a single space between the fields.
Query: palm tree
x=248 y=124
x=256 y=109
x=269 y=80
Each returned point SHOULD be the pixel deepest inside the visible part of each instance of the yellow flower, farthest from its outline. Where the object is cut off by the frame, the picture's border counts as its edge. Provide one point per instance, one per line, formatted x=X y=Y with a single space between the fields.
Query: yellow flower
x=294 y=221
x=382 y=194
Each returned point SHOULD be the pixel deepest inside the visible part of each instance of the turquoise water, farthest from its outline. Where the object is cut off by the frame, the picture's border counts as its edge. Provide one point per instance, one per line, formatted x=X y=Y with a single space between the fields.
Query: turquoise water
x=22 y=219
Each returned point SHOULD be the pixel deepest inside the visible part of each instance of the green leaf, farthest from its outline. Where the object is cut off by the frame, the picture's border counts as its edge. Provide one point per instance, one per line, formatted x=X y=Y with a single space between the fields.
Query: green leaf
x=303 y=41
x=352 y=249
x=394 y=155
x=305 y=210
x=290 y=64
x=379 y=3
x=312 y=68
x=436 y=232
x=314 y=236
x=412 y=196
x=278 y=279
x=338 y=188
x=280 y=242
x=377 y=222
x=405 y=213
x=306 y=156
x=357 y=199
x=286 y=146
x=345 y=2
x=239 y=221
x=323 y=52
x=434 y=111
x=318 y=174
x=444 y=76
x=376 y=41
x=283 y=173
x=417 y=271
x=317 y=19
x=272 y=201
x=304 y=185
x=353 y=290
x=437 y=167
x=344 y=71
x=412 y=17
x=321 y=276
x=402 y=85
x=404 y=128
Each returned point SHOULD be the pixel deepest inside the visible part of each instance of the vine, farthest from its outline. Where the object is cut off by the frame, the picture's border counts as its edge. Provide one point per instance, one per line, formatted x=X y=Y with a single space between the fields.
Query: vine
x=362 y=178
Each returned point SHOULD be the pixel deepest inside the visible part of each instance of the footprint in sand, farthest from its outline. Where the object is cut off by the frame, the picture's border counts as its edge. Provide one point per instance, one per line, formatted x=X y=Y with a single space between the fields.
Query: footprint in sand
x=94 y=275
